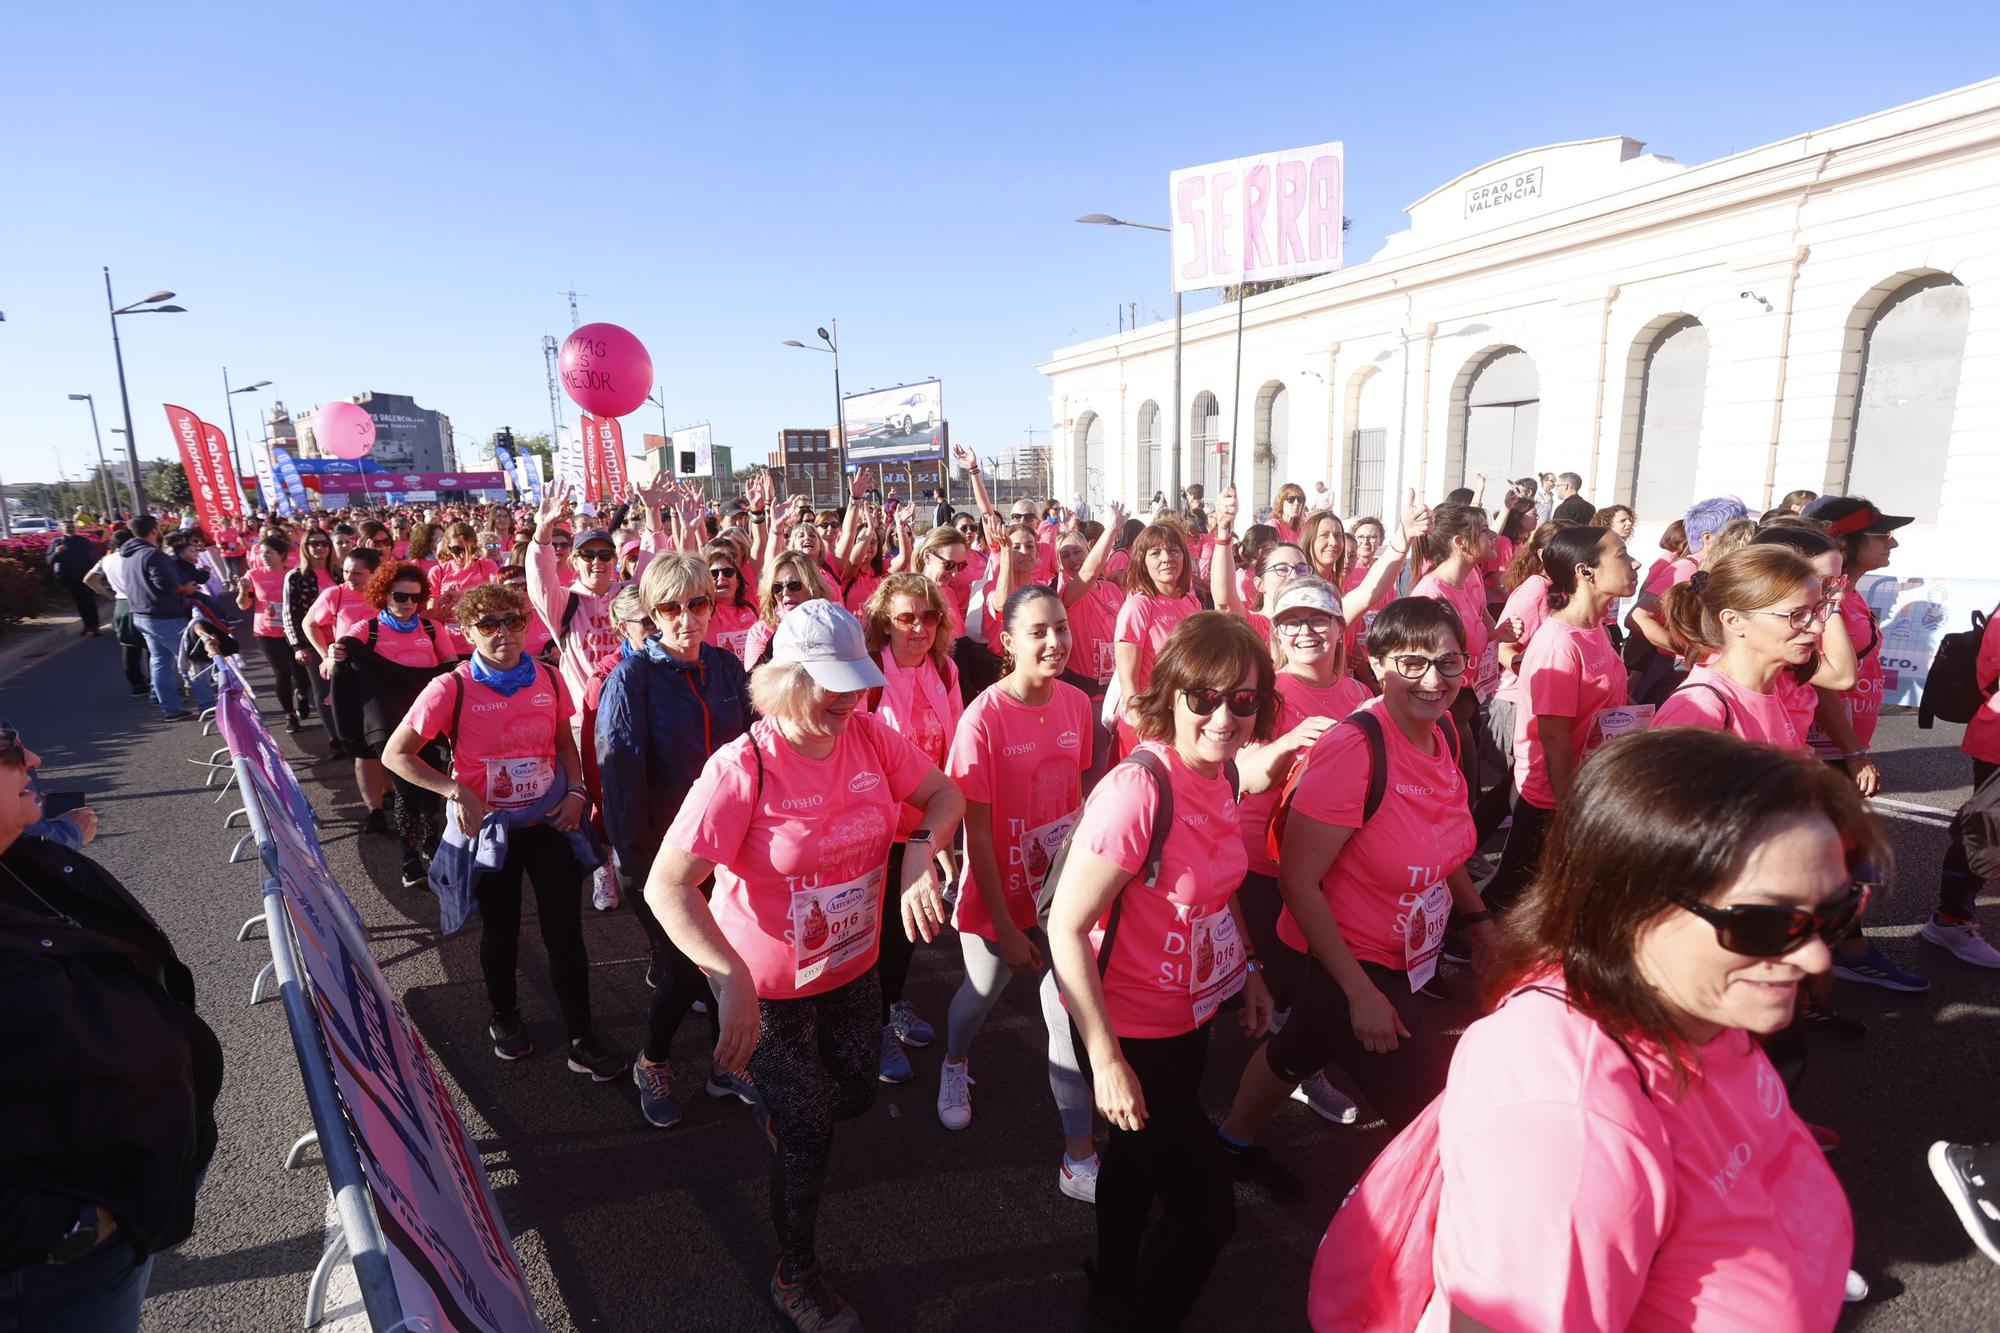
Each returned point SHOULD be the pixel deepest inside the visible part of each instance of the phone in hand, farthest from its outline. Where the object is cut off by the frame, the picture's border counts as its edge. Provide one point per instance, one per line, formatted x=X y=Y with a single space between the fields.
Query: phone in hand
x=56 y=803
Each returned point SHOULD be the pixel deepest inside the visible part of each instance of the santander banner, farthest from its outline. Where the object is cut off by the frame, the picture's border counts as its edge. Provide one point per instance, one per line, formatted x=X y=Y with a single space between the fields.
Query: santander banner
x=377 y=483
x=191 y=434
x=222 y=466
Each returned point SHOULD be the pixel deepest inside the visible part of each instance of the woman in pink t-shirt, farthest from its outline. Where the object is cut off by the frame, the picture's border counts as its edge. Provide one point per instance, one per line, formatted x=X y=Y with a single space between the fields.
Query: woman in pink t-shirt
x=791 y=580
x=538 y=643
x=1288 y=513
x=1572 y=693
x=795 y=820
x=462 y=564
x=1368 y=895
x=1158 y=597
x=735 y=611
x=313 y=575
x=1092 y=597
x=1460 y=540
x=263 y=588
x=1147 y=956
x=1019 y=755
x=1616 y=1150
x=904 y=624
x=335 y=614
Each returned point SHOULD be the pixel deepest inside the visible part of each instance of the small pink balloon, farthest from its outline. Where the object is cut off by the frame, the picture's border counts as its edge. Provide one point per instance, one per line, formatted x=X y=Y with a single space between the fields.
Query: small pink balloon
x=344 y=430
x=606 y=371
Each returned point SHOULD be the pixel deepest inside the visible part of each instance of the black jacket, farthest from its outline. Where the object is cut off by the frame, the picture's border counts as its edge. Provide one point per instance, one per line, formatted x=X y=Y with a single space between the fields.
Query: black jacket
x=108 y=1079
x=153 y=581
x=71 y=557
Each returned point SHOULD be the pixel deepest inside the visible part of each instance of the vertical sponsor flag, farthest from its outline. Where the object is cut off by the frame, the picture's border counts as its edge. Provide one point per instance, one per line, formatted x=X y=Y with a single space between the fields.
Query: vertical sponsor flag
x=287 y=471
x=191 y=435
x=267 y=481
x=569 y=458
x=222 y=466
x=504 y=460
x=593 y=461
x=611 y=440
x=531 y=467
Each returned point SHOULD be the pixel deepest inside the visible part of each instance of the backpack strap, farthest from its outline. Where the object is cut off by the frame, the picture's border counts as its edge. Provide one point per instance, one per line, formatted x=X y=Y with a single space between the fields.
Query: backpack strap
x=569 y=613
x=374 y=631
x=1728 y=713
x=458 y=697
x=1378 y=761
x=1156 y=846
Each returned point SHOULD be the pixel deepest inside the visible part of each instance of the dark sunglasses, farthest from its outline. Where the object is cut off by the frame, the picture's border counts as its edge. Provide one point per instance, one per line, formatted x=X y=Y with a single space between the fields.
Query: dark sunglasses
x=722 y=571
x=456 y=550
x=1758 y=930
x=928 y=618
x=400 y=597
x=597 y=555
x=384 y=542
x=560 y=546
x=12 y=752
x=1415 y=666
x=698 y=602
x=1242 y=703
x=495 y=624
x=951 y=567
x=786 y=587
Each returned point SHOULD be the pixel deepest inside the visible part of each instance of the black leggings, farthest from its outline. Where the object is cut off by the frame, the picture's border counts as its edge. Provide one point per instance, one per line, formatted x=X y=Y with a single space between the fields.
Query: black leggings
x=319 y=685
x=85 y=598
x=677 y=982
x=545 y=857
x=138 y=672
x=1521 y=857
x=1152 y=1275
x=284 y=671
x=1958 y=887
x=1398 y=1083
x=897 y=948
x=1262 y=904
x=816 y=1062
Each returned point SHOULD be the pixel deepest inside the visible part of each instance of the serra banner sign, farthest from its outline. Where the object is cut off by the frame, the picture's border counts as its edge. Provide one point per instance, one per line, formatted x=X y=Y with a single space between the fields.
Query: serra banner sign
x=1256 y=219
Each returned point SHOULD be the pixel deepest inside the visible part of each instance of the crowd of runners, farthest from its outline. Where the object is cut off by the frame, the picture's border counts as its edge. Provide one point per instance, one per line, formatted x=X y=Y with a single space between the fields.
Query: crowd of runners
x=1209 y=761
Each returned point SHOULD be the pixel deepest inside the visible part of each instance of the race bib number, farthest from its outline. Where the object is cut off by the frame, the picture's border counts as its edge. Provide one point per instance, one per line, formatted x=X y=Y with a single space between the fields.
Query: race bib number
x=1423 y=934
x=512 y=784
x=1038 y=850
x=734 y=640
x=1610 y=723
x=832 y=925
x=1106 y=665
x=1219 y=960
x=1486 y=682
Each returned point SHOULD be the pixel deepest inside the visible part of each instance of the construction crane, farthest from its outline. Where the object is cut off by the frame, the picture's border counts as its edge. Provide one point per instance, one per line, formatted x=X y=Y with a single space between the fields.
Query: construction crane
x=549 y=353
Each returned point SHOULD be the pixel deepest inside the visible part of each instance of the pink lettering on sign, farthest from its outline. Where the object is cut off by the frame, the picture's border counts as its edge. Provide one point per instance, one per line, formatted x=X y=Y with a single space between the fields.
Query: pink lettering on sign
x=1221 y=186
x=1188 y=198
x=1276 y=215
x=1291 y=207
x=1256 y=199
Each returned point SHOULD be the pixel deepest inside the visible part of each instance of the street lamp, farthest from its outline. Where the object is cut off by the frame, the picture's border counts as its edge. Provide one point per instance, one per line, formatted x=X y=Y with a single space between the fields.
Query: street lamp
x=150 y=306
x=103 y=473
x=839 y=421
x=658 y=398
x=236 y=449
x=1174 y=438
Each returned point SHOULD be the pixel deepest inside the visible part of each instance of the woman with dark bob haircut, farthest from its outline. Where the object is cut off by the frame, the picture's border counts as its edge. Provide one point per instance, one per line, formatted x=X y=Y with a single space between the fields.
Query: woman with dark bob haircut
x=1616 y=1149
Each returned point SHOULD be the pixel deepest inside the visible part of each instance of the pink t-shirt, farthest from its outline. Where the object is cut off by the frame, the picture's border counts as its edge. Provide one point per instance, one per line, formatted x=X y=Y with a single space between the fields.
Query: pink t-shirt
x=1164 y=962
x=1750 y=715
x=1027 y=764
x=419 y=647
x=1093 y=622
x=1565 y=672
x=268 y=585
x=448 y=583
x=1573 y=1199
x=1982 y=734
x=1864 y=701
x=755 y=640
x=1146 y=621
x=1666 y=574
x=1388 y=867
x=1298 y=699
x=858 y=592
x=339 y=611
x=799 y=861
x=1469 y=600
x=729 y=626
x=505 y=747
x=1529 y=601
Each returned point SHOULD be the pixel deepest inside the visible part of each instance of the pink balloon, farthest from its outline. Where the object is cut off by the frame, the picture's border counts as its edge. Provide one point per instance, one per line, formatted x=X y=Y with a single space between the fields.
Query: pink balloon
x=344 y=430
x=606 y=370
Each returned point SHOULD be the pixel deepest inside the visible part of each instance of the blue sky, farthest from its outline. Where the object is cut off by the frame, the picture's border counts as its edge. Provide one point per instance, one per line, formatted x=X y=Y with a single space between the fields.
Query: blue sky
x=391 y=197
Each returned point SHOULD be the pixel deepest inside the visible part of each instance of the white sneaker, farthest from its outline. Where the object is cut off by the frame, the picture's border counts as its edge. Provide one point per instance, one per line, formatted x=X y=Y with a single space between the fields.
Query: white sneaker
x=1962 y=939
x=955 y=1094
x=1079 y=1179
x=1326 y=1101
x=604 y=889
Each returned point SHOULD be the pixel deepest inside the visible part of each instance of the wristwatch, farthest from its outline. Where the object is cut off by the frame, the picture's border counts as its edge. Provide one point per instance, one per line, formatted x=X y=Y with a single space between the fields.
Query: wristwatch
x=1253 y=965
x=79 y=1240
x=919 y=835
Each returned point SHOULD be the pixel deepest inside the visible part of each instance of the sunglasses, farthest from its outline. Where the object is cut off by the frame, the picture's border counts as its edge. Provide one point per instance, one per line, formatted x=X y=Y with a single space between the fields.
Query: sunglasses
x=928 y=618
x=1758 y=930
x=457 y=550
x=597 y=555
x=559 y=546
x=383 y=542
x=1800 y=618
x=495 y=624
x=1242 y=703
x=951 y=567
x=400 y=597
x=12 y=752
x=698 y=602
x=787 y=587
x=1289 y=571
x=722 y=572
x=1415 y=666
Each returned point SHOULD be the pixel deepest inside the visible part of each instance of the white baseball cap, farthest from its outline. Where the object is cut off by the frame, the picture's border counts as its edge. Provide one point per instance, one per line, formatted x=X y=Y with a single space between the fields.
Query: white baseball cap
x=829 y=643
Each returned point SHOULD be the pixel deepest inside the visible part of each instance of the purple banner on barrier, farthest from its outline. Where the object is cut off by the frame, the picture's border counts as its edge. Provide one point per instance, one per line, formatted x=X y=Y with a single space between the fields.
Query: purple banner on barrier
x=448 y=1248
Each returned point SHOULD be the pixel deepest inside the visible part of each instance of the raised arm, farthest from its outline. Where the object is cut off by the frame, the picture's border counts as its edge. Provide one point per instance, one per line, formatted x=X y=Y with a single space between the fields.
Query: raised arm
x=1094 y=561
x=1381 y=576
x=969 y=463
x=1222 y=559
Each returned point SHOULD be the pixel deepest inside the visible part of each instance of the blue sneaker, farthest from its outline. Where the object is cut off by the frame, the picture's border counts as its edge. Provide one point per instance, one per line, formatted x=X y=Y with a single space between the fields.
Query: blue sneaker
x=910 y=1030
x=895 y=1065
x=722 y=1083
x=656 y=1095
x=1873 y=969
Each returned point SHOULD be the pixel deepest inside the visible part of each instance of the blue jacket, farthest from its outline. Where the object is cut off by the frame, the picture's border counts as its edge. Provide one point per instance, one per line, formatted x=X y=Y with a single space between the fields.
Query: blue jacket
x=153 y=581
x=460 y=861
x=658 y=721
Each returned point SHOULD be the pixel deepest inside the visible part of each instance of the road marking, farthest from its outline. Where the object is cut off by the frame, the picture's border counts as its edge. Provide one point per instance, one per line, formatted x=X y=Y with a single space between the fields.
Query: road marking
x=1910 y=810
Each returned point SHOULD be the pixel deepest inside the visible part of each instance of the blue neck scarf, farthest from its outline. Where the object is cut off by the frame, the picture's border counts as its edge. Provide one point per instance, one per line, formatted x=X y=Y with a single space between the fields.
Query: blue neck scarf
x=504 y=683
x=404 y=625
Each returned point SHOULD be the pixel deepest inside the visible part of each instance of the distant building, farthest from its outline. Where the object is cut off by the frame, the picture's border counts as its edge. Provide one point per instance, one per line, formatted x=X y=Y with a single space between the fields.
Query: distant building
x=408 y=438
x=805 y=463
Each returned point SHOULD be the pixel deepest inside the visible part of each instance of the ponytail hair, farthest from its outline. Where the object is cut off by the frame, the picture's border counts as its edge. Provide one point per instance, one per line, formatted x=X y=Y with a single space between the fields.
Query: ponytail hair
x=1567 y=549
x=1527 y=561
x=1745 y=580
x=1450 y=523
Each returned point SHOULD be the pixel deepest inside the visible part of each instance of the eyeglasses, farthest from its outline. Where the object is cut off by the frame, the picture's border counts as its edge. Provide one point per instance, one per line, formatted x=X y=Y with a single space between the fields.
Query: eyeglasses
x=1759 y=930
x=1242 y=703
x=1321 y=625
x=950 y=567
x=1415 y=666
x=495 y=624
x=1288 y=570
x=928 y=618
x=401 y=597
x=597 y=555
x=698 y=602
x=722 y=571
x=1800 y=618
x=787 y=587
x=12 y=752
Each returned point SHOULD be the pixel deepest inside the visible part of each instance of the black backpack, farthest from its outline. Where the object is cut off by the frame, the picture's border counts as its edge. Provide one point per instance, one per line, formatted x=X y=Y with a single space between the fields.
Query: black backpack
x=1952 y=690
x=1977 y=825
x=1370 y=727
x=1156 y=848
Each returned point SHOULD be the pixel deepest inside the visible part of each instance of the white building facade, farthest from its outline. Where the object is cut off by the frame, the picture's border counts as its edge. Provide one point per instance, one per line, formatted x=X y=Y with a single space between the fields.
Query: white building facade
x=1821 y=313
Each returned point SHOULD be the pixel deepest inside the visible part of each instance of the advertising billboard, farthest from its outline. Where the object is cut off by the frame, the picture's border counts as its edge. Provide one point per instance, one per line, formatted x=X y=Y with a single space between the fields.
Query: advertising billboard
x=691 y=451
x=906 y=421
x=1257 y=219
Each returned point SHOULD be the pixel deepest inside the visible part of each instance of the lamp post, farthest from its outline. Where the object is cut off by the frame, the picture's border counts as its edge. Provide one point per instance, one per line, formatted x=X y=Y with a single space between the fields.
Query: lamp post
x=658 y=398
x=1174 y=436
x=236 y=449
x=103 y=473
x=832 y=341
x=150 y=306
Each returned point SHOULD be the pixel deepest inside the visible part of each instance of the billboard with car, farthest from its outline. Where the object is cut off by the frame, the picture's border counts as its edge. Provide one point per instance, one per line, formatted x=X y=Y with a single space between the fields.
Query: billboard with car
x=906 y=421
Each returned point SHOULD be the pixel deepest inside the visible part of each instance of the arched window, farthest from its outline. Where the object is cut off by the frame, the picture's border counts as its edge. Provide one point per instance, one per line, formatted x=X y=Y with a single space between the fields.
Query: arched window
x=1087 y=479
x=1672 y=384
x=1368 y=445
x=1271 y=462
x=1502 y=407
x=1152 y=472
x=1910 y=358
x=1205 y=425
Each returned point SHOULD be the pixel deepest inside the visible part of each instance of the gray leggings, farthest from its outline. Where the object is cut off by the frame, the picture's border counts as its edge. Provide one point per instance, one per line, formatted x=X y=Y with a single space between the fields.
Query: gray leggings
x=986 y=975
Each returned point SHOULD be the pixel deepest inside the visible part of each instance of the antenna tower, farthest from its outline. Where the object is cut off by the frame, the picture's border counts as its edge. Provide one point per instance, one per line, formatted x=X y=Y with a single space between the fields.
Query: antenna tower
x=555 y=400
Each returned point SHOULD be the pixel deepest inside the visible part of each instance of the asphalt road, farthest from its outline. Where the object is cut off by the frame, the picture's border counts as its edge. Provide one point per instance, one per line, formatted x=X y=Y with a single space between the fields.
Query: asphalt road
x=623 y=1227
